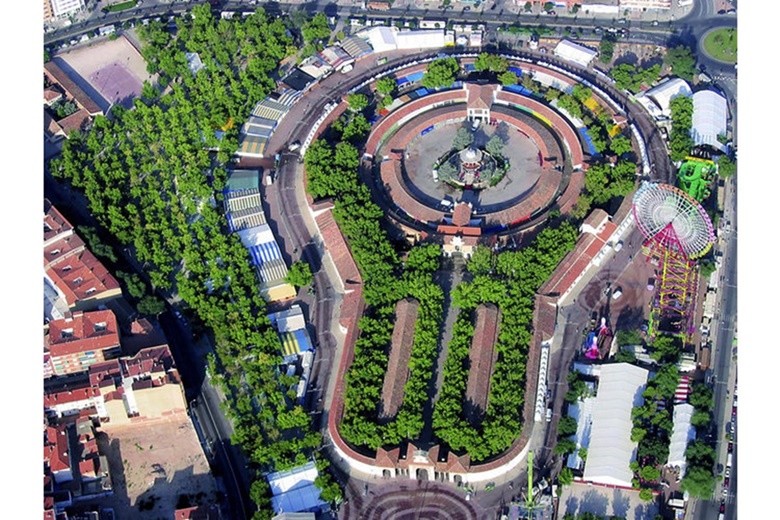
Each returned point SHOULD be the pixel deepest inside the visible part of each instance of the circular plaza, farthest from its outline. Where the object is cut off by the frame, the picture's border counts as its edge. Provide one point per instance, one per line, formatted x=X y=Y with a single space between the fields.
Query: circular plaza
x=510 y=158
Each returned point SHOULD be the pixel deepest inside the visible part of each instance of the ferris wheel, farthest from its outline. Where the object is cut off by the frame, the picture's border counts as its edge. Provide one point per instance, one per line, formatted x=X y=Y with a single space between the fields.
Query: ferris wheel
x=673 y=219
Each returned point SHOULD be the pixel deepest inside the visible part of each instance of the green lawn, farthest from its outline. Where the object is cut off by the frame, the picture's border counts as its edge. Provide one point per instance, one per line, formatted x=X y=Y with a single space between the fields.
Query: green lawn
x=120 y=6
x=721 y=44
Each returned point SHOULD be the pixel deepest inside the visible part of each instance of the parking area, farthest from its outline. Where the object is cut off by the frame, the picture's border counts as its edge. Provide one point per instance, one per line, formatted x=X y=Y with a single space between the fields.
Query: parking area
x=606 y=502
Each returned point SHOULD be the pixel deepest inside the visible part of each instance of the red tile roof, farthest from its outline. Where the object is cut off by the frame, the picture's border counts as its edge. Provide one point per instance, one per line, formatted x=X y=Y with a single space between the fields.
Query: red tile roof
x=482 y=356
x=480 y=96
x=596 y=218
x=89 y=467
x=210 y=512
x=85 y=331
x=82 y=99
x=336 y=245
x=76 y=121
x=51 y=94
x=85 y=274
x=461 y=215
x=55 y=449
x=52 y=399
x=573 y=264
x=154 y=360
x=398 y=361
x=51 y=128
x=54 y=224
x=62 y=248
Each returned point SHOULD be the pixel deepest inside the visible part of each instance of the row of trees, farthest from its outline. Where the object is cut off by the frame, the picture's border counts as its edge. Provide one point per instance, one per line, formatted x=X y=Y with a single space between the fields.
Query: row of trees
x=153 y=185
x=632 y=77
x=680 y=141
x=509 y=280
x=652 y=421
x=699 y=479
x=333 y=173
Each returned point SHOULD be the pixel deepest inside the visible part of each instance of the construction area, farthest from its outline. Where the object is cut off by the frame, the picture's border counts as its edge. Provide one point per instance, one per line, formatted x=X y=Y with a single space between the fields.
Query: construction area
x=156 y=469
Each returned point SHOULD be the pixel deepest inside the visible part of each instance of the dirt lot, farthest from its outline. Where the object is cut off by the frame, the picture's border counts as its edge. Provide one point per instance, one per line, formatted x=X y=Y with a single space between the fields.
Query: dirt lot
x=152 y=465
x=582 y=498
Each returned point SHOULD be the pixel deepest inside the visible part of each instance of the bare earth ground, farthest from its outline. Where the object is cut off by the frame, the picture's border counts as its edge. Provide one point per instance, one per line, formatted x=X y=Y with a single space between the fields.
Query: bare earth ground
x=152 y=465
x=603 y=501
x=114 y=68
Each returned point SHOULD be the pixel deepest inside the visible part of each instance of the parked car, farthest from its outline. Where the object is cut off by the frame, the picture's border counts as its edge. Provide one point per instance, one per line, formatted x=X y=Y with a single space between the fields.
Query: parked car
x=651 y=283
x=294 y=146
x=617 y=293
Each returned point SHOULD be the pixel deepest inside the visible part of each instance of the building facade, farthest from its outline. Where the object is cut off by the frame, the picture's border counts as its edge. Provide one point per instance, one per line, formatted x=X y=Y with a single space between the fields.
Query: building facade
x=86 y=338
x=64 y=8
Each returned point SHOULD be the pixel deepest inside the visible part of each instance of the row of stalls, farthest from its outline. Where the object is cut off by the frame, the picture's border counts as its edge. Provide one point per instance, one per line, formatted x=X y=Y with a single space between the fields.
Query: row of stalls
x=293 y=490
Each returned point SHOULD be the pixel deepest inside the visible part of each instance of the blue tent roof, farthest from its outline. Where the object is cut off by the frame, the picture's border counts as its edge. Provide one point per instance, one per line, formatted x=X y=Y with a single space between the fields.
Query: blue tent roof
x=264 y=253
x=588 y=141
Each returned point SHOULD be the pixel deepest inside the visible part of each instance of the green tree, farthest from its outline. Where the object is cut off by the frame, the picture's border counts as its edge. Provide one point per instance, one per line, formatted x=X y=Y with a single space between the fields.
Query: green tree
x=567 y=426
x=316 y=29
x=726 y=167
x=682 y=62
x=699 y=482
x=481 y=262
x=385 y=86
x=650 y=473
x=565 y=446
x=666 y=349
x=299 y=274
x=528 y=7
x=507 y=78
x=606 y=49
x=357 y=102
x=495 y=146
x=491 y=62
x=701 y=397
x=441 y=73
x=646 y=494
x=680 y=141
x=151 y=306
x=548 y=6
x=629 y=337
x=135 y=286
x=463 y=138
x=565 y=477
x=620 y=145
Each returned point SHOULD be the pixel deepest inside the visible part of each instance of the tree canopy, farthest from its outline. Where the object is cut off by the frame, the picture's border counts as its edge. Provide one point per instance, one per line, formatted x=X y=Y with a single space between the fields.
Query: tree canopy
x=491 y=62
x=682 y=62
x=441 y=73
x=680 y=141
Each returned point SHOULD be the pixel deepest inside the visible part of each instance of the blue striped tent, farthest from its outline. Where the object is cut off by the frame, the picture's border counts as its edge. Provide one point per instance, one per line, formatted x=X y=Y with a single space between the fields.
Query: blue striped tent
x=264 y=253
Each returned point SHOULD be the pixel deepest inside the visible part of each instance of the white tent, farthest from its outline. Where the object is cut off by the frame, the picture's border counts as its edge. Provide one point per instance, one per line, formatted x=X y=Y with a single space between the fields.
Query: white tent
x=710 y=116
x=611 y=449
x=294 y=490
x=575 y=52
x=582 y=412
x=663 y=93
x=683 y=432
x=432 y=39
x=382 y=39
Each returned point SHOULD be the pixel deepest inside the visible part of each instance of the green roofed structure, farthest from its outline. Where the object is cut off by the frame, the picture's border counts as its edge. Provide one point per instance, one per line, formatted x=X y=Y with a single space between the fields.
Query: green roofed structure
x=696 y=177
x=240 y=180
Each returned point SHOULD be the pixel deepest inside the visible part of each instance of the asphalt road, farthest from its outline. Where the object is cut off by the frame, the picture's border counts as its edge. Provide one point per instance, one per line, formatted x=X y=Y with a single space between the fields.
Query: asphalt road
x=726 y=316
x=215 y=430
